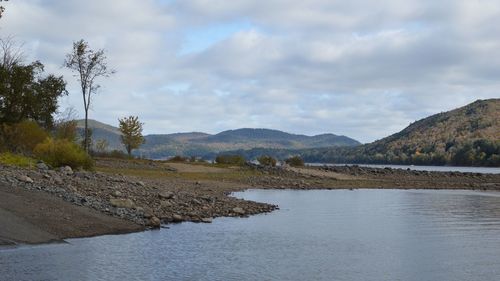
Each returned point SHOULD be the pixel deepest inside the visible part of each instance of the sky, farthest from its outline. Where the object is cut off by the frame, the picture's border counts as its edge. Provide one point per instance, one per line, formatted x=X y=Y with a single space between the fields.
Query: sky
x=364 y=69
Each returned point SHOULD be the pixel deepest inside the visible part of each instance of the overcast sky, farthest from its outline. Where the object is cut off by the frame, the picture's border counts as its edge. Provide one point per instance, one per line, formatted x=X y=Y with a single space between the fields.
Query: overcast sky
x=360 y=68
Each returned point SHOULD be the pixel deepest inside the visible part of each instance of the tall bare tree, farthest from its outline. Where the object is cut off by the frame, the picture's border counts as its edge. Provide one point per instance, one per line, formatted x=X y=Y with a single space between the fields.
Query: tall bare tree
x=131 y=130
x=89 y=65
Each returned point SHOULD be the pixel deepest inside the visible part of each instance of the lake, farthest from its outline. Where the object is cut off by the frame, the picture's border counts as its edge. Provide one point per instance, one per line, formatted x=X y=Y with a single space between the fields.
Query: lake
x=482 y=170
x=316 y=235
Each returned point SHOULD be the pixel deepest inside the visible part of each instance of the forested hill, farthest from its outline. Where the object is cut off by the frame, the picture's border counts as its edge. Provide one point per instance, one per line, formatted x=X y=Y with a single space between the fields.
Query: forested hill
x=199 y=144
x=469 y=135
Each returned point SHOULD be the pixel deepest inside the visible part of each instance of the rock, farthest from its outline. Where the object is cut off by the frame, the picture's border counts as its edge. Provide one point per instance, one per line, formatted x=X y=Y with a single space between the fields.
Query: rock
x=206 y=220
x=58 y=180
x=154 y=222
x=66 y=170
x=148 y=214
x=165 y=203
x=24 y=179
x=177 y=218
x=42 y=166
x=140 y=183
x=239 y=211
x=117 y=193
x=122 y=203
x=166 y=195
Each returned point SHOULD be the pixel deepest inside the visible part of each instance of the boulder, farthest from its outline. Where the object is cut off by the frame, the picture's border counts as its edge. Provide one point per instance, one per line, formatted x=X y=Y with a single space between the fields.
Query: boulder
x=165 y=203
x=206 y=220
x=25 y=179
x=177 y=218
x=239 y=211
x=66 y=170
x=42 y=166
x=166 y=195
x=154 y=222
x=58 y=180
x=122 y=203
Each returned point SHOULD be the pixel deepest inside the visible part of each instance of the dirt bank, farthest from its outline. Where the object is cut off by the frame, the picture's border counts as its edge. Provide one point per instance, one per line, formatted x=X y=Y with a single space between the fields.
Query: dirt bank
x=37 y=217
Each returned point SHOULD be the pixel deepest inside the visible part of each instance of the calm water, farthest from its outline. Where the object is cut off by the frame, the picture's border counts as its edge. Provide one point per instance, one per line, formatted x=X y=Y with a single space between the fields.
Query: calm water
x=482 y=170
x=317 y=235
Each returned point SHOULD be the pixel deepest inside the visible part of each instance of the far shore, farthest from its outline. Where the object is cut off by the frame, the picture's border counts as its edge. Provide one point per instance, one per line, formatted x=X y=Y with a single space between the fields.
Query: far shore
x=42 y=205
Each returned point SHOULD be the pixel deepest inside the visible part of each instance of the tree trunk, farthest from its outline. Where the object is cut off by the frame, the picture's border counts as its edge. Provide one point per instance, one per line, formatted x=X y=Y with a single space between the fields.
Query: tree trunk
x=86 y=138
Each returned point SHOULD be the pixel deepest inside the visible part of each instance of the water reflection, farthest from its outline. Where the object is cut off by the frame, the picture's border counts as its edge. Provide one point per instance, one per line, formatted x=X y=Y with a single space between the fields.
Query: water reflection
x=316 y=235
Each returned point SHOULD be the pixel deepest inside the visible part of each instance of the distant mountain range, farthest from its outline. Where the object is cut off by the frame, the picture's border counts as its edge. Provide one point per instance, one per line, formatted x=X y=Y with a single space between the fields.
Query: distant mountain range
x=202 y=144
x=468 y=135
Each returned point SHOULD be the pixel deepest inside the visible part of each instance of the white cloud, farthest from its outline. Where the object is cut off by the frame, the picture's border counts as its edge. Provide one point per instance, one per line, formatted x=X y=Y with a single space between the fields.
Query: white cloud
x=358 y=68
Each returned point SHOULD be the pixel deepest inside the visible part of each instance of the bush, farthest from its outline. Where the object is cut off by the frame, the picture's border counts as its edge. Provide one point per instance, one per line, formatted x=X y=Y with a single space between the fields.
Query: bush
x=59 y=153
x=66 y=130
x=230 y=160
x=178 y=158
x=22 y=137
x=266 y=160
x=117 y=154
x=16 y=160
x=295 y=161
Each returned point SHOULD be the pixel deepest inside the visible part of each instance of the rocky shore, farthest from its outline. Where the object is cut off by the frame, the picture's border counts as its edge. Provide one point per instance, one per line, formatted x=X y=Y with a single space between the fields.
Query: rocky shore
x=163 y=193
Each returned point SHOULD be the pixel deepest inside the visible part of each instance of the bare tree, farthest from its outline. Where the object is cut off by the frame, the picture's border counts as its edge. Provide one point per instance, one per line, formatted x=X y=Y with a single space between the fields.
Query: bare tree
x=89 y=65
x=2 y=9
x=11 y=53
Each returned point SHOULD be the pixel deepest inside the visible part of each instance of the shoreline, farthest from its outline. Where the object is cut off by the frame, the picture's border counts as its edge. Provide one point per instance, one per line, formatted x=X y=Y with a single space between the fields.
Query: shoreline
x=123 y=196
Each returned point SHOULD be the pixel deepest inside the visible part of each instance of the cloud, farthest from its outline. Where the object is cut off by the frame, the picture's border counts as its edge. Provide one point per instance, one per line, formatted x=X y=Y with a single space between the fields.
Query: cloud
x=358 y=68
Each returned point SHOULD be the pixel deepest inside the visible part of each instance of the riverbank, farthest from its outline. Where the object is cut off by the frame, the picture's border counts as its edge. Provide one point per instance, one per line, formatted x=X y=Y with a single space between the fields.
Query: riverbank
x=42 y=205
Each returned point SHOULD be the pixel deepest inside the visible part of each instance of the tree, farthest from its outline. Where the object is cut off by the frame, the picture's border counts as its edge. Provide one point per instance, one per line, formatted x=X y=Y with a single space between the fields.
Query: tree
x=2 y=9
x=131 y=130
x=25 y=93
x=101 y=146
x=89 y=65
x=11 y=52
x=295 y=161
x=266 y=160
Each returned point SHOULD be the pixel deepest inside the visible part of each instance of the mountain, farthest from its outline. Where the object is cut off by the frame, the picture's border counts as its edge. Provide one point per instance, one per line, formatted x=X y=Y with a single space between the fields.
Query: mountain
x=102 y=131
x=468 y=135
x=199 y=144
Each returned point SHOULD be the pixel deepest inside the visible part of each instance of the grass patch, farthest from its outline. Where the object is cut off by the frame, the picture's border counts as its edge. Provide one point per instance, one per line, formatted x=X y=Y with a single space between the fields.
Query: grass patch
x=229 y=175
x=16 y=160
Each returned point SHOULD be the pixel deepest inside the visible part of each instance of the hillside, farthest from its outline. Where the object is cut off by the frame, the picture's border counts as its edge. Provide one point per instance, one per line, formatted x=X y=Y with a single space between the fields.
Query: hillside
x=102 y=131
x=469 y=135
x=199 y=144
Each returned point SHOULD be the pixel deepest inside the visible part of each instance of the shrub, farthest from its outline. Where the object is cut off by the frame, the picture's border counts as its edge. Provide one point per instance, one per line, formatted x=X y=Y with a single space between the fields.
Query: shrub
x=230 y=160
x=117 y=154
x=16 y=160
x=295 y=161
x=22 y=137
x=61 y=153
x=266 y=160
x=66 y=130
x=178 y=158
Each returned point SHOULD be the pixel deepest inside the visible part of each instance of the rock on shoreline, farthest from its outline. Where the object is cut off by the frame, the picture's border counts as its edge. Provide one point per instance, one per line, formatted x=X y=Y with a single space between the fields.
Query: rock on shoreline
x=127 y=198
